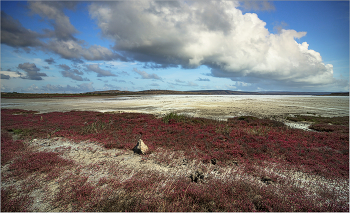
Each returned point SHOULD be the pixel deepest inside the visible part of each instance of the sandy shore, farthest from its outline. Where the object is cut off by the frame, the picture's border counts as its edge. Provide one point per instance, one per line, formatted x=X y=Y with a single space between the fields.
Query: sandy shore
x=215 y=106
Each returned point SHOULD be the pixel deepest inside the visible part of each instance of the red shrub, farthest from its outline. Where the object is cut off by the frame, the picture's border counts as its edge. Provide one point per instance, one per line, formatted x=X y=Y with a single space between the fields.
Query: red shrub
x=9 y=148
x=17 y=204
x=330 y=128
x=244 y=139
x=37 y=162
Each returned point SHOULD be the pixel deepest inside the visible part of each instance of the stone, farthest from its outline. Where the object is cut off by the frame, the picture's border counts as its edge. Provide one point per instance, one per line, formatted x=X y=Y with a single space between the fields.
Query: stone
x=141 y=147
x=213 y=161
x=235 y=162
x=197 y=176
x=266 y=180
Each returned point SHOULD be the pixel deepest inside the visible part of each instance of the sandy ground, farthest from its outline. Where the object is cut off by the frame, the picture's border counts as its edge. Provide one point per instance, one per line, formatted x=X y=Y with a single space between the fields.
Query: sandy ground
x=209 y=106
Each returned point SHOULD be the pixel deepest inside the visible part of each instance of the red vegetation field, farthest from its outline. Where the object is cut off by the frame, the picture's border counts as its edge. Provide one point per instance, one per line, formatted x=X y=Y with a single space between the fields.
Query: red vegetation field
x=256 y=147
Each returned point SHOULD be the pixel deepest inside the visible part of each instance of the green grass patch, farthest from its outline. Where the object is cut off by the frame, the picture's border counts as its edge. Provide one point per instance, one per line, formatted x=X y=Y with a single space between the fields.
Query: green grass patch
x=17 y=131
x=174 y=116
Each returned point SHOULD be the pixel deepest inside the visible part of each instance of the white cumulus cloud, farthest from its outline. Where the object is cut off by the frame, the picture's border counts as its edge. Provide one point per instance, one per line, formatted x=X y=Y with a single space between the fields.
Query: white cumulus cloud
x=212 y=33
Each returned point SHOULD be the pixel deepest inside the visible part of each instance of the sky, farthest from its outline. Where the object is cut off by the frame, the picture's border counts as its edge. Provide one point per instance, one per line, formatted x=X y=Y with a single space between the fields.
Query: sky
x=77 y=46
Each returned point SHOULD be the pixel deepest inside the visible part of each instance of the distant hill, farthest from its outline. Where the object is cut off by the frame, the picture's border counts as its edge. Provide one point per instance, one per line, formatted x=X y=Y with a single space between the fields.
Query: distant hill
x=164 y=92
x=225 y=92
x=194 y=92
x=148 y=92
x=337 y=94
x=217 y=92
x=292 y=93
x=229 y=92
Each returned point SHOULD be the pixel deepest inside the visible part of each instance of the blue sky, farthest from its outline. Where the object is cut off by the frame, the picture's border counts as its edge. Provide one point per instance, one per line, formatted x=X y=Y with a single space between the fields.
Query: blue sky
x=74 y=47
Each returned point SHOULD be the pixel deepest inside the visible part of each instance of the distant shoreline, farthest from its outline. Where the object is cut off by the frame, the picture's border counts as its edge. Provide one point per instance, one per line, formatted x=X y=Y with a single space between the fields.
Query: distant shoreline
x=162 y=92
x=338 y=94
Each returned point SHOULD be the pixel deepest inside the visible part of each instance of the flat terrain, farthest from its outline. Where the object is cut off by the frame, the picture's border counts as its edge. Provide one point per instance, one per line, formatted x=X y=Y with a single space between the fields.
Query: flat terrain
x=210 y=106
x=277 y=107
x=82 y=161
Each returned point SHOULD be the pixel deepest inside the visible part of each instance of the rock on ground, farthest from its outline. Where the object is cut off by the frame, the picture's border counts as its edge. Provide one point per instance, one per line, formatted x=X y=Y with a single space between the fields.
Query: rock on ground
x=141 y=147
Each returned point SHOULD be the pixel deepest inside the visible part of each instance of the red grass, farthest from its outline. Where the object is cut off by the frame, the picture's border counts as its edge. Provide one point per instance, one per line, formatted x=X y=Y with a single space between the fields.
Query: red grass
x=330 y=128
x=181 y=195
x=247 y=140
x=42 y=162
x=14 y=204
x=9 y=148
x=75 y=190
